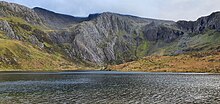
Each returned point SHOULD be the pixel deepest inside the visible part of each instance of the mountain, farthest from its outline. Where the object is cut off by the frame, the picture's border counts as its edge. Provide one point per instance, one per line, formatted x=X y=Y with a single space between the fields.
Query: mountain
x=20 y=11
x=55 y=20
x=101 y=39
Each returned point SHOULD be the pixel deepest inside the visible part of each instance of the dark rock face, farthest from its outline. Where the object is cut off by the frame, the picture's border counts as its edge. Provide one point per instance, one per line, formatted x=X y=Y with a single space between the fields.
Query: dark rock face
x=203 y=23
x=106 y=37
x=187 y=26
x=55 y=20
x=154 y=32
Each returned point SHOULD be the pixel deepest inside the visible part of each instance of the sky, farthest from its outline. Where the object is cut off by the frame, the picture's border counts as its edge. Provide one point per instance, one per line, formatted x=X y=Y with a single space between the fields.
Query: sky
x=157 y=9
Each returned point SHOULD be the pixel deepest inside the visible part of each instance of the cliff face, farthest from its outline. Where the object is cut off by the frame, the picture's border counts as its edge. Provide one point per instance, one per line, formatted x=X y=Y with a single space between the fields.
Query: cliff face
x=203 y=23
x=107 y=38
x=16 y=10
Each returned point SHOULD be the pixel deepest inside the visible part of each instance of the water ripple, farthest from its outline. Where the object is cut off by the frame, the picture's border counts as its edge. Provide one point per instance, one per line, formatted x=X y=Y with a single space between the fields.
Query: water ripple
x=132 y=88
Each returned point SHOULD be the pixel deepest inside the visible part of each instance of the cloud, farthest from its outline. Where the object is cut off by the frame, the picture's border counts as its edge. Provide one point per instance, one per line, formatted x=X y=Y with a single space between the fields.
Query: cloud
x=159 y=9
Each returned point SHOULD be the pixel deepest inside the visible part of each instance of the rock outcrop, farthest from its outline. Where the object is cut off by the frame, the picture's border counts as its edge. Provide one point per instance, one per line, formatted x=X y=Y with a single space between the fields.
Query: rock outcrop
x=107 y=38
x=202 y=24
x=16 y=10
x=4 y=26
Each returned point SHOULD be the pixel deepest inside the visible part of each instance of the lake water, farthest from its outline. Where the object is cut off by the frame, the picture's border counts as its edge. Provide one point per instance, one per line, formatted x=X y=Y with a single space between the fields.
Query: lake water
x=109 y=87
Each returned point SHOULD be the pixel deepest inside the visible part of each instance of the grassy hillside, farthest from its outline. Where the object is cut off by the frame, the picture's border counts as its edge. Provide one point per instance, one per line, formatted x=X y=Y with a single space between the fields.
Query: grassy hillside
x=191 y=62
x=26 y=43
x=207 y=41
x=190 y=53
x=22 y=55
x=17 y=55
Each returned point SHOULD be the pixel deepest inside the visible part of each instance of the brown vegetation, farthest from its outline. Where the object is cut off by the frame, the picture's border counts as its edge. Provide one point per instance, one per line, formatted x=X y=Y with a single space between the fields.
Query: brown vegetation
x=191 y=62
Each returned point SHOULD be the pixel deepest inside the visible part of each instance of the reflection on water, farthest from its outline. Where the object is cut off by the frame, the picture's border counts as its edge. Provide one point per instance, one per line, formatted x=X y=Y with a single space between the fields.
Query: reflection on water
x=109 y=87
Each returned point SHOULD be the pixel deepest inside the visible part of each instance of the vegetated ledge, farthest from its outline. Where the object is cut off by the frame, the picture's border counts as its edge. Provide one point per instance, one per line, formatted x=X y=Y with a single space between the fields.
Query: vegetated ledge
x=199 y=62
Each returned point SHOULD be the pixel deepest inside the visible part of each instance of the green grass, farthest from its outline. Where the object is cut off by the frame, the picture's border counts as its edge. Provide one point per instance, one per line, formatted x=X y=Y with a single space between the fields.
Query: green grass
x=204 y=42
x=47 y=45
x=24 y=30
x=142 y=49
x=2 y=35
x=23 y=56
x=207 y=41
x=16 y=23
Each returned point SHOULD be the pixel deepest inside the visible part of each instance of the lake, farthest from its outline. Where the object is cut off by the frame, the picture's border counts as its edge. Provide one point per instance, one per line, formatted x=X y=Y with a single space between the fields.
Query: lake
x=108 y=87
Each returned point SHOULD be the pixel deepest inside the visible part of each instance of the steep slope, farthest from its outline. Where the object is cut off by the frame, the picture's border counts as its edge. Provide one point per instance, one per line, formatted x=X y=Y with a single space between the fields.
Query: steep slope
x=200 y=35
x=20 y=11
x=55 y=20
x=17 y=55
x=20 y=48
x=24 y=44
x=107 y=38
x=197 y=50
x=202 y=24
